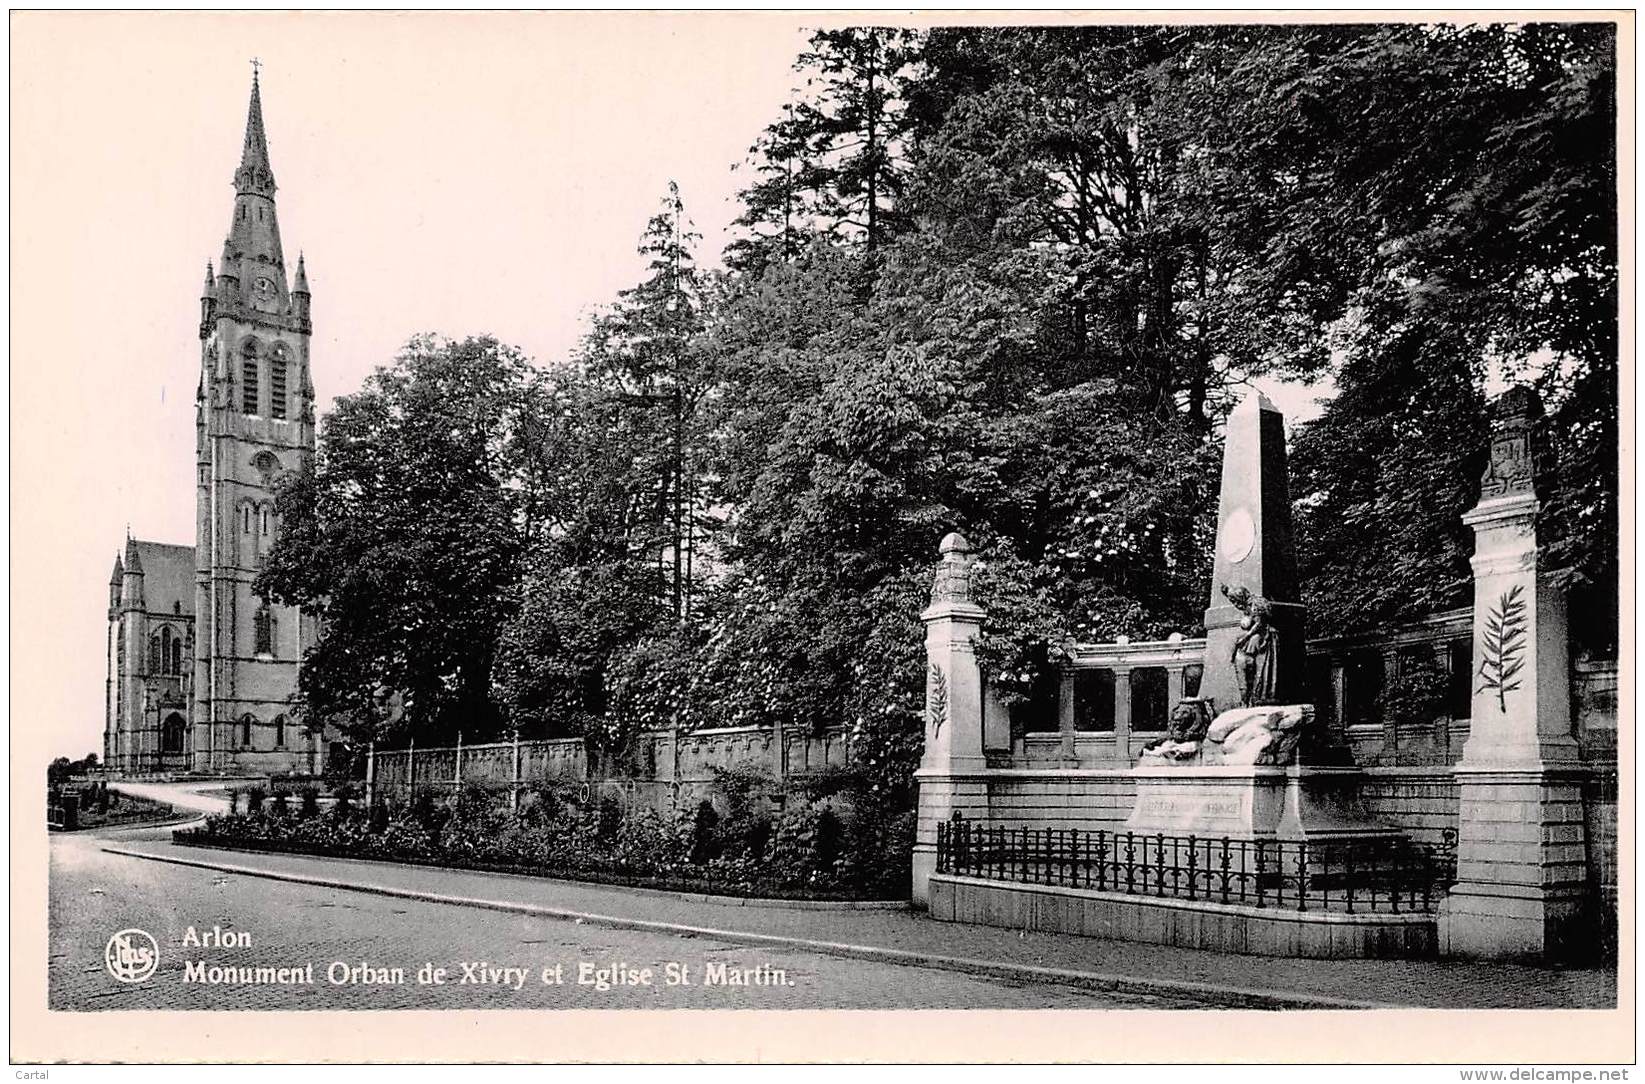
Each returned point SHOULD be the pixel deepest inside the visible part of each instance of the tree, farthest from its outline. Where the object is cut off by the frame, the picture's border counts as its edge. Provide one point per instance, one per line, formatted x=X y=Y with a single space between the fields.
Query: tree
x=1381 y=480
x=835 y=162
x=648 y=353
x=1467 y=173
x=1087 y=144
x=615 y=444
x=404 y=537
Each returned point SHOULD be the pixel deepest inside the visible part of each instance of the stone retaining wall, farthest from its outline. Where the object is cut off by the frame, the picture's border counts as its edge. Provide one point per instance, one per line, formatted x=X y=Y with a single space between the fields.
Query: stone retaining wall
x=1183 y=923
x=1421 y=802
x=649 y=776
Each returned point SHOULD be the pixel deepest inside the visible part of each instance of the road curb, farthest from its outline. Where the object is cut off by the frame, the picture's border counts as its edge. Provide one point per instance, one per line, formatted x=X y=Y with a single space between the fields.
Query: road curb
x=1243 y=997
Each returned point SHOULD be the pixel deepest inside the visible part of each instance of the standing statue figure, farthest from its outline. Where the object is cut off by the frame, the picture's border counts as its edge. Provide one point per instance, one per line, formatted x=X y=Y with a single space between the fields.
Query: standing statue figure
x=1255 y=655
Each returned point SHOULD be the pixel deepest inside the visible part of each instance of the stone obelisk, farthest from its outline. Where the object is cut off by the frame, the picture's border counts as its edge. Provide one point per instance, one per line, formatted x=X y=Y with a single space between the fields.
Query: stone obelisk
x=1254 y=553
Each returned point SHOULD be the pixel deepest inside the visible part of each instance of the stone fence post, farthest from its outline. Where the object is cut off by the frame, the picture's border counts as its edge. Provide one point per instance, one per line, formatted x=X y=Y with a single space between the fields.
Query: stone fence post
x=950 y=777
x=514 y=779
x=371 y=775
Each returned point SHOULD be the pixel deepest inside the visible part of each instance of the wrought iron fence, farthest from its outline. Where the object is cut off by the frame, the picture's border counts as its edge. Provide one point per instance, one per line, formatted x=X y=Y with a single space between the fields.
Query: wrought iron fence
x=1383 y=874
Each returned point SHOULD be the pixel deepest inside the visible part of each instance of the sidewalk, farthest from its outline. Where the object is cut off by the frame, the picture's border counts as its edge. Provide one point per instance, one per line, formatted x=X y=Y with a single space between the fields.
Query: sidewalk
x=908 y=937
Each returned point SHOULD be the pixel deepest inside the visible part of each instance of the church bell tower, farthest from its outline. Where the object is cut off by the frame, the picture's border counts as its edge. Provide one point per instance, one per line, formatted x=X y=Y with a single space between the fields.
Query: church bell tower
x=254 y=423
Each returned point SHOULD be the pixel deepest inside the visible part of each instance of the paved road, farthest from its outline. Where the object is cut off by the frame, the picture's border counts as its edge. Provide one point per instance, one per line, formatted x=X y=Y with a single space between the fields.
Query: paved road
x=195 y=797
x=94 y=894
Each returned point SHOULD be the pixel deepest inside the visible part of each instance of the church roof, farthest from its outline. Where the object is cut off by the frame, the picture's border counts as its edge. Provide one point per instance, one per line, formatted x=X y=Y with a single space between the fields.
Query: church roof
x=168 y=577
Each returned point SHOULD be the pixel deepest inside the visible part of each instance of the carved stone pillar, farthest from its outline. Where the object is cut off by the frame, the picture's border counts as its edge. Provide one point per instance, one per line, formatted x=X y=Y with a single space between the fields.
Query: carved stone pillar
x=1522 y=885
x=1339 y=697
x=1122 y=713
x=1065 y=717
x=949 y=776
x=1390 y=728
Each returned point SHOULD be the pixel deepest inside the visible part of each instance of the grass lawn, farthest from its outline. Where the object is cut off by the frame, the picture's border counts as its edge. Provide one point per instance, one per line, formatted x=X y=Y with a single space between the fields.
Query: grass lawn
x=126 y=810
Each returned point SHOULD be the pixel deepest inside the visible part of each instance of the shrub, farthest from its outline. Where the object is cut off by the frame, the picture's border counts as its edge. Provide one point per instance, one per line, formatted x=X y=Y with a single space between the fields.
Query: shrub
x=1416 y=697
x=704 y=841
x=739 y=786
x=810 y=847
x=428 y=811
x=279 y=806
x=308 y=801
x=793 y=854
x=381 y=813
x=747 y=835
x=646 y=842
x=828 y=838
x=343 y=801
x=472 y=803
x=609 y=818
x=254 y=798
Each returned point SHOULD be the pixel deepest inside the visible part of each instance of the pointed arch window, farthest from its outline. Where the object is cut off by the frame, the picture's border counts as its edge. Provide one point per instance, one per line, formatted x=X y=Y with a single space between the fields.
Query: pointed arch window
x=264 y=622
x=246 y=722
x=249 y=390
x=267 y=525
x=279 y=732
x=166 y=652
x=172 y=736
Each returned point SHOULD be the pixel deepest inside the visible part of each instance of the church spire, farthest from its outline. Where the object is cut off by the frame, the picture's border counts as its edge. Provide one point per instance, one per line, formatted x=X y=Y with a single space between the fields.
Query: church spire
x=254 y=172
x=252 y=272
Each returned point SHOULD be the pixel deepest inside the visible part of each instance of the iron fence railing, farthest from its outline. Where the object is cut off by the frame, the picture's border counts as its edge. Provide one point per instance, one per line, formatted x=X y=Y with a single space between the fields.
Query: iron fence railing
x=1379 y=874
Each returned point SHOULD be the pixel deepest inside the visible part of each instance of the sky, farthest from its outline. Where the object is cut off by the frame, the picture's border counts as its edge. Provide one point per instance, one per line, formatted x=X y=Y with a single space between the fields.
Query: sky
x=454 y=174
x=457 y=173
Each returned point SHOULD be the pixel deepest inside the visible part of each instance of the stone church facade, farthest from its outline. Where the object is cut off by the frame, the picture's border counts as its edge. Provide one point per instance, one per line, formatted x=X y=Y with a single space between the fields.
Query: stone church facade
x=203 y=672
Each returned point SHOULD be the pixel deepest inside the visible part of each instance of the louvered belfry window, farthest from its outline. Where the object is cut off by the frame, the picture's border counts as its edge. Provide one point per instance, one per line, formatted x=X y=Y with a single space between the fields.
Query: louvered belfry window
x=277 y=383
x=248 y=380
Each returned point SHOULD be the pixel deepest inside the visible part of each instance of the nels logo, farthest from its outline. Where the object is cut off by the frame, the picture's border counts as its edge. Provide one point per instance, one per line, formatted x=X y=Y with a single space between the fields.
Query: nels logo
x=132 y=956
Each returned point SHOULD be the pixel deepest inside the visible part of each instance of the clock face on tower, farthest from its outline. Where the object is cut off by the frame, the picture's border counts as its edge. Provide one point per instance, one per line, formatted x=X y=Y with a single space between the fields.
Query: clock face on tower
x=262 y=288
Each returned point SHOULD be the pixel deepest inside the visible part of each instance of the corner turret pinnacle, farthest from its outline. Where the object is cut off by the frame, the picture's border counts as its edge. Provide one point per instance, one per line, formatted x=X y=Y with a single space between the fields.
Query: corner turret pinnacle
x=208 y=304
x=300 y=285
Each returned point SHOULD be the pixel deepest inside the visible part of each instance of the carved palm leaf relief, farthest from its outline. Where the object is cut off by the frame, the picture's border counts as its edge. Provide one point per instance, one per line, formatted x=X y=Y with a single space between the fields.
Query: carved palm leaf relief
x=936 y=699
x=1502 y=646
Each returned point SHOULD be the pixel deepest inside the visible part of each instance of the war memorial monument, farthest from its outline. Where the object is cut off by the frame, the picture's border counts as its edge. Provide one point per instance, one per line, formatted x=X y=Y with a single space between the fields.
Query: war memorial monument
x=1245 y=827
